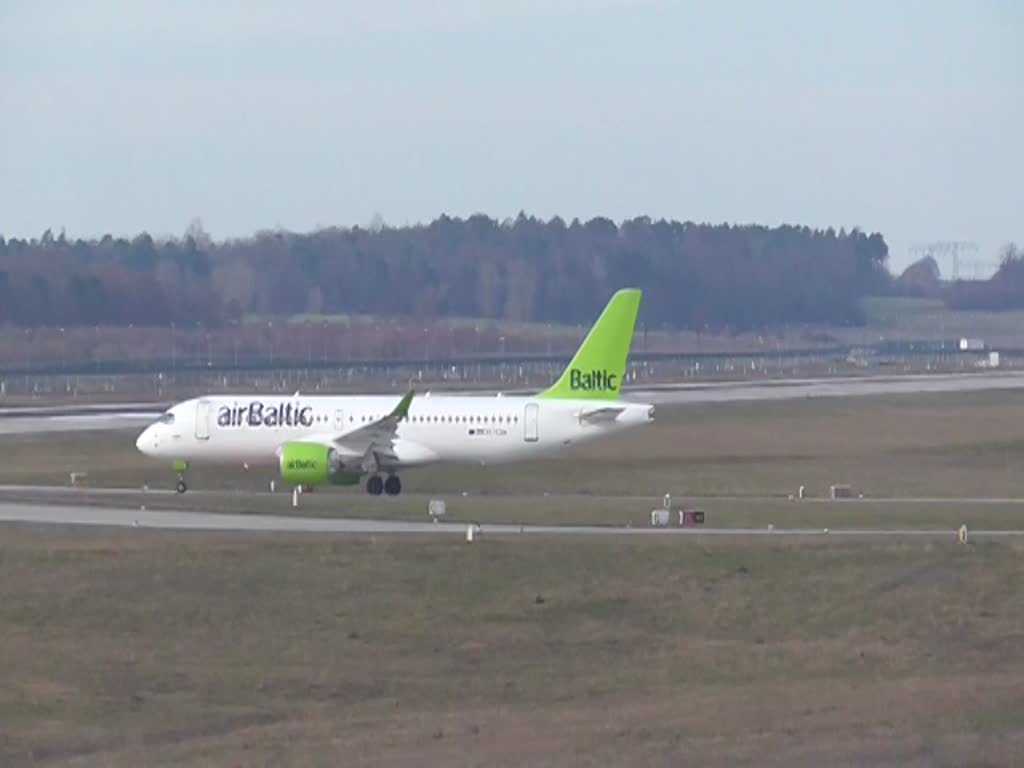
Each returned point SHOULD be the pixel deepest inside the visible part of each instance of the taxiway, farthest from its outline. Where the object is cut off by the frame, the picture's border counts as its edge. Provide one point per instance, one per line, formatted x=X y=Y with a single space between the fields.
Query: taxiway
x=99 y=516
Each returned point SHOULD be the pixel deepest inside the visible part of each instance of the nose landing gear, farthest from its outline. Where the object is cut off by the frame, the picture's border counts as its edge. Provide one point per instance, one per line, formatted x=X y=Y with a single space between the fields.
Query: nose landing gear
x=181 y=467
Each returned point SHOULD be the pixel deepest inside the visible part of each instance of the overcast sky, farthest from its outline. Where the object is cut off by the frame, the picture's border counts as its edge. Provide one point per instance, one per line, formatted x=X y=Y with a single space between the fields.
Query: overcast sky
x=899 y=116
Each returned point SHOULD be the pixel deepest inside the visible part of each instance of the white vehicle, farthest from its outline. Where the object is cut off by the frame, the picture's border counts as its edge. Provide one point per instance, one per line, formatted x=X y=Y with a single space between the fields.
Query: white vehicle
x=336 y=440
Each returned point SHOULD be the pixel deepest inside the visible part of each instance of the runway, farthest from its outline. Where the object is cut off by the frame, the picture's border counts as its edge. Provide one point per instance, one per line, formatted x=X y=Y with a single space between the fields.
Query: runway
x=17 y=424
x=789 y=389
x=98 y=516
x=15 y=421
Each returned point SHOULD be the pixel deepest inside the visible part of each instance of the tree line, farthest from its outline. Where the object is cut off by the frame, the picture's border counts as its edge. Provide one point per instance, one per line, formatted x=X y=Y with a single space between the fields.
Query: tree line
x=696 y=276
x=1004 y=290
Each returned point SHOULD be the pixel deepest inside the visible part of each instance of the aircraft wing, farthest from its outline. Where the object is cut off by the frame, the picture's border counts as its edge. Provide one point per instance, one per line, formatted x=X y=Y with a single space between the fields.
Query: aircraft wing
x=376 y=440
x=598 y=415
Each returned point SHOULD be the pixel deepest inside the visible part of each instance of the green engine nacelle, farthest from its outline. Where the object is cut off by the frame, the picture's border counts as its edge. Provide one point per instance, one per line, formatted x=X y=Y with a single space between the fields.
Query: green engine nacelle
x=310 y=464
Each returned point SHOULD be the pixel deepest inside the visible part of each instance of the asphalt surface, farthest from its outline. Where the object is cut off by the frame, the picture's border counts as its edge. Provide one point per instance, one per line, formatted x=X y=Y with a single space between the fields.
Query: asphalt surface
x=11 y=424
x=789 y=389
x=98 y=516
x=129 y=415
x=210 y=493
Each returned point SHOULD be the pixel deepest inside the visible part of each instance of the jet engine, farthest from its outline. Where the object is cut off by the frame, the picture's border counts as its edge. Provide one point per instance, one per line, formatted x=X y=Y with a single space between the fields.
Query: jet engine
x=309 y=464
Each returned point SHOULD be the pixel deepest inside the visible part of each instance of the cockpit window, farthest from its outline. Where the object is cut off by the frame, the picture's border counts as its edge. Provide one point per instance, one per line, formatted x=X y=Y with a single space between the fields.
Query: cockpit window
x=167 y=418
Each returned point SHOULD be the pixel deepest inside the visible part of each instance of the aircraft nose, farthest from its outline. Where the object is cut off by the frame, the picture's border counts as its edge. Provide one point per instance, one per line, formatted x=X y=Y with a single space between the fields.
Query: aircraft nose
x=145 y=442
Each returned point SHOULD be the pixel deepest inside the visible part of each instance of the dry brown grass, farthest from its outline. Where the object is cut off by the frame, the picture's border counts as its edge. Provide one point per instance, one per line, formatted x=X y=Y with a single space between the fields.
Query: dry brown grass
x=128 y=649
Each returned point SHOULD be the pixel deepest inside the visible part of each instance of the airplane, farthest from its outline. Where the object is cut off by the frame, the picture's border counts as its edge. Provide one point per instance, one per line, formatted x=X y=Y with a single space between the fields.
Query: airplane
x=315 y=440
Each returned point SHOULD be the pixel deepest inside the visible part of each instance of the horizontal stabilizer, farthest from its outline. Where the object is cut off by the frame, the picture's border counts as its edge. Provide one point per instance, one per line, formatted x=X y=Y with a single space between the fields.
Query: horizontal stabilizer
x=599 y=415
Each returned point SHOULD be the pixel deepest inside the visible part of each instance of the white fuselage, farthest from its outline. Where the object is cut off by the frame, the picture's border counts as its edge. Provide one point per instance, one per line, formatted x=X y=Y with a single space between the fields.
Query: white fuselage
x=248 y=429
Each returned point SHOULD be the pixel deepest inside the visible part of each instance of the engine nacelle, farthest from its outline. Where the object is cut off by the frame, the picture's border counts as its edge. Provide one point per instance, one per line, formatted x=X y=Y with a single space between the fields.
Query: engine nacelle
x=309 y=464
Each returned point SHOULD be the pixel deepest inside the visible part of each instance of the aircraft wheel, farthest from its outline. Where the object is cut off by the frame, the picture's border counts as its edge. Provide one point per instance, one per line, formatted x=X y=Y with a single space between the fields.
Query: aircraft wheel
x=392 y=486
x=181 y=487
x=374 y=486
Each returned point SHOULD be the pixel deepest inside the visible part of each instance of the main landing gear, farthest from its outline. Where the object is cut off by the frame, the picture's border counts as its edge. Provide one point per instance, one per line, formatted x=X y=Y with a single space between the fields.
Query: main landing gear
x=376 y=485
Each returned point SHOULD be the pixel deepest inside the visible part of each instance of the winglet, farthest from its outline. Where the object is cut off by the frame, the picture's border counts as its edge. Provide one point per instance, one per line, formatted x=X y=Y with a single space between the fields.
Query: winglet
x=402 y=409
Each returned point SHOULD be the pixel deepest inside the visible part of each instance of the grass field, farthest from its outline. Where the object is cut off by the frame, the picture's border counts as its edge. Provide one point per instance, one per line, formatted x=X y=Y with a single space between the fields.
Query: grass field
x=129 y=649
x=931 y=319
x=133 y=648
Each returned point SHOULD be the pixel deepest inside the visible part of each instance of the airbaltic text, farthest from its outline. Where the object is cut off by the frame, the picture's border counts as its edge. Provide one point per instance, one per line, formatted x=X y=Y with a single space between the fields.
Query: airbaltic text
x=257 y=414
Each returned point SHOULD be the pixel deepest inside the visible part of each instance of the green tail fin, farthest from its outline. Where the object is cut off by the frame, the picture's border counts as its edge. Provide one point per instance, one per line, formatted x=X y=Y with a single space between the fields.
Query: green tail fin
x=596 y=371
